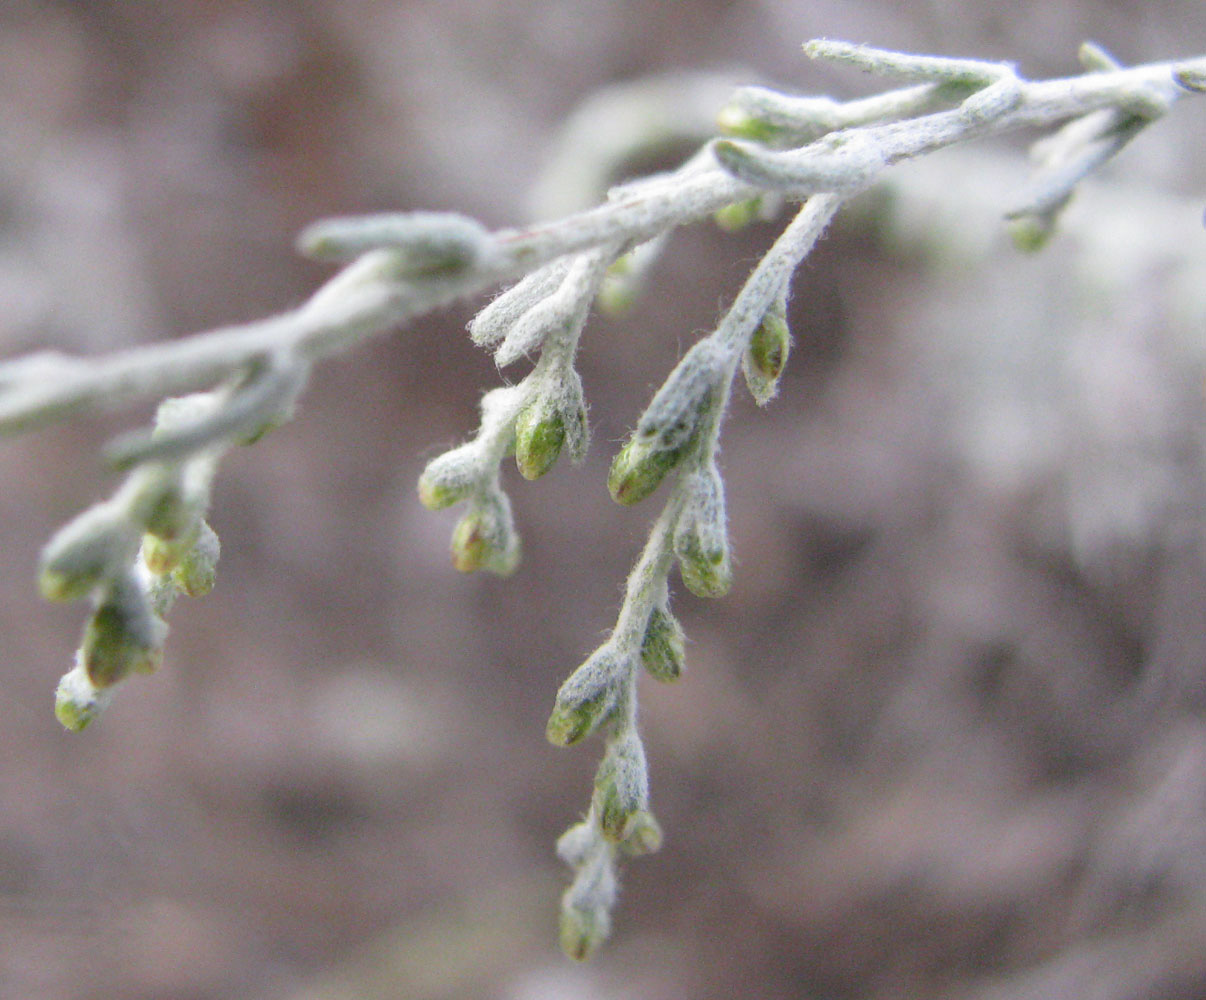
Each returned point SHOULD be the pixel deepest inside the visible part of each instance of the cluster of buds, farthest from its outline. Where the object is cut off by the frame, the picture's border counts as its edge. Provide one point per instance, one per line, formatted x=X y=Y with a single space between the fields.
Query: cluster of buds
x=536 y=420
x=134 y=553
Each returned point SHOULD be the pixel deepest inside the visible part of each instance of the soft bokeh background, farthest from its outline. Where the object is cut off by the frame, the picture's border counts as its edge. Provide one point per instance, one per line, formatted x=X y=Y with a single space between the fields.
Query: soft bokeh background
x=944 y=739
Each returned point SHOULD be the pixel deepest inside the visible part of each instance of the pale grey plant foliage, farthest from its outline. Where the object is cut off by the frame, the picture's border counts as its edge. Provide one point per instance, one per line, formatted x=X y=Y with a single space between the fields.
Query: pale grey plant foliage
x=132 y=554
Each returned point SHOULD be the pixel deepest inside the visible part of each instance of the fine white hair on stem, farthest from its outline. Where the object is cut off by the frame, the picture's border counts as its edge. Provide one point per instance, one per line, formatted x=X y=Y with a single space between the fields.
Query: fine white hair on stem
x=135 y=553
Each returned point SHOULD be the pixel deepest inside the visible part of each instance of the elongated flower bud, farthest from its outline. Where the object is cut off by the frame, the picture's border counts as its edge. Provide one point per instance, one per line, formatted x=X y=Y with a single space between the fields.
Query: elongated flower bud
x=644 y=835
x=485 y=538
x=77 y=701
x=766 y=354
x=701 y=536
x=669 y=425
x=662 y=651
x=621 y=786
x=85 y=551
x=582 y=929
x=639 y=468
x=161 y=555
x=586 y=906
x=735 y=217
x=539 y=435
x=586 y=698
x=450 y=477
x=196 y=571
x=123 y=636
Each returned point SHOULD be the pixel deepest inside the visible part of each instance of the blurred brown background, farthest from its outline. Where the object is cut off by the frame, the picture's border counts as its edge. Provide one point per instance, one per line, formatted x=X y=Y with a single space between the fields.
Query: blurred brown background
x=944 y=739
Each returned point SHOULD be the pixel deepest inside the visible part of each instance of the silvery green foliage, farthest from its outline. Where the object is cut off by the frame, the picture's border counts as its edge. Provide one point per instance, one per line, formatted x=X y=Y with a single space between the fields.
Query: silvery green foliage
x=133 y=554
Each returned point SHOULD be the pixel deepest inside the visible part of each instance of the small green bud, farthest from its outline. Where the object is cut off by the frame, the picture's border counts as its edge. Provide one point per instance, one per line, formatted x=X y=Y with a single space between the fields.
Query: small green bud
x=586 y=698
x=123 y=636
x=469 y=546
x=85 y=552
x=766 y=354
x=485 y=538
x=539 y=435
x=450 y=477
x=738 y=122
x=163 y=555
x=618 y=291
x=662 y=648
x=621 y=786
x=1192 y=76
x=581 y=930
x=737 y=216
x=196 y=571
x=670 y=424
x=77 y=701
x=644 y=835
x=586 y=904
x=701 y=536
x=1030 y=233
x=639 y=468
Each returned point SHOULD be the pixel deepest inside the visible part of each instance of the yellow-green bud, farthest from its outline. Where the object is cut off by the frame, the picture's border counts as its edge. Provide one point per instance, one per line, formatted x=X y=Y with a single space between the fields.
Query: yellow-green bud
x=85 y=552
x=450 y=477
x=77 y=701
x=621 y=786
x=1030 y=233
x=738 y=215
x=766 y=354
x=539 y=435
x=469 y=546
x=586 y=699
x=197 y=570
x=701 y=536
x=163 y=555
x=736 y=121
x=485 y=538
x=644 y=835
x=662 y=651
x=123 y=636
x=582 y=930
x=639 y=468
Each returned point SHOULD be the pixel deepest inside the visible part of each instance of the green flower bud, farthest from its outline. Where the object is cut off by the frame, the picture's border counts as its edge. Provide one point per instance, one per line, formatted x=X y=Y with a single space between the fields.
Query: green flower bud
x=740 y=123
x=196 y=571
x=766 y=354
x=1030 y=233
x=586 y=699
x=644 y=835
x=701 y=536
x=123 y=636
x=621 y=786
x=449 y=477
x=85 y=552
x=539 y=435
x=586 y=904
x=670 y=424
x=581 y=931
x=662 y=651
x=162 y=555
x=639 y=468
x=77 y=701
x=738 y=215
x=485 y=538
